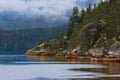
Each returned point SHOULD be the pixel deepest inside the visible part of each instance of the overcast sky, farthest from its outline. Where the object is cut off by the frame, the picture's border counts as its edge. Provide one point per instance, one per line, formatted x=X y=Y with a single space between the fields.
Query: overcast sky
x=49 y=9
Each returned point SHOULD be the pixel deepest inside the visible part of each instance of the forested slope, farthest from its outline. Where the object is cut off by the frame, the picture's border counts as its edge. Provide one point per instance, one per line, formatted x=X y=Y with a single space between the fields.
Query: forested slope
x=21 y=40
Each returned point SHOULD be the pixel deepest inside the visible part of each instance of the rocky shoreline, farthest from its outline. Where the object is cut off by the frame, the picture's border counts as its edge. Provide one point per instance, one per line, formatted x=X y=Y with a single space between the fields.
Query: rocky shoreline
x=88 y=45
x=108 y=58
x=96 y=54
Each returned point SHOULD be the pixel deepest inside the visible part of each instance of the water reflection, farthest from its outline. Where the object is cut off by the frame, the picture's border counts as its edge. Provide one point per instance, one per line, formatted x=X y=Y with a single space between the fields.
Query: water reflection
x=21 y=67
x=111 y=69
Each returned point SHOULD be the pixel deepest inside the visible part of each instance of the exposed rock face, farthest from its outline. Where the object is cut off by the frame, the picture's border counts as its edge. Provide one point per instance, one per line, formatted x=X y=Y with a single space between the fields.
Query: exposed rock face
x=89 y=35
x=114 y=49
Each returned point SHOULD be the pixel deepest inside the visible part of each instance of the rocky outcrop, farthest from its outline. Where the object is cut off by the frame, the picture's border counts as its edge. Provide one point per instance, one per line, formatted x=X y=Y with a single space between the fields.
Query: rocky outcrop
x=89 y=35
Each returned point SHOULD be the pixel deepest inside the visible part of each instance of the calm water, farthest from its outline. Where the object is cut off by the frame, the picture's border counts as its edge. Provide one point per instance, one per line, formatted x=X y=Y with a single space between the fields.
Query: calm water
x=20 y=67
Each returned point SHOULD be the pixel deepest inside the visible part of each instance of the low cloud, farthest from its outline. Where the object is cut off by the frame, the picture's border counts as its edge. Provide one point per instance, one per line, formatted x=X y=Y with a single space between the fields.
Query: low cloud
x=48 y=9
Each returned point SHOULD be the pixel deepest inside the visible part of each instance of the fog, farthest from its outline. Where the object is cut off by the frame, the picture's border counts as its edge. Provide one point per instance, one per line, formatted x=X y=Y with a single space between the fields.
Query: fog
x=48 y=9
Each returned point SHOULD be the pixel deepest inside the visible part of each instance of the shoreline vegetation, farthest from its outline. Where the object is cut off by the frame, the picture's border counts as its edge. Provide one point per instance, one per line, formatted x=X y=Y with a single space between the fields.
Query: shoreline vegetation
x=93 y=33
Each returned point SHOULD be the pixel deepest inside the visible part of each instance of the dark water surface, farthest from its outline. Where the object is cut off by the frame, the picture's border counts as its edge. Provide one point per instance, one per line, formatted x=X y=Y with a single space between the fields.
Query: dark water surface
x=21 y=67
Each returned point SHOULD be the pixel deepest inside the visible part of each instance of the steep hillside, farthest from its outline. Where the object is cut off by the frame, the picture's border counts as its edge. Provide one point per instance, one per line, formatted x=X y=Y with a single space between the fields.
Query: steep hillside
x=91 y=31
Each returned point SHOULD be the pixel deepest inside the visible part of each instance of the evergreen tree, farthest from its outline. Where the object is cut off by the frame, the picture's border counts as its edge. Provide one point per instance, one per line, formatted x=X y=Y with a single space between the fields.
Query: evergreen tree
x=75 y=15
x=81 y=15
x=74 y=19
x=89 y=8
